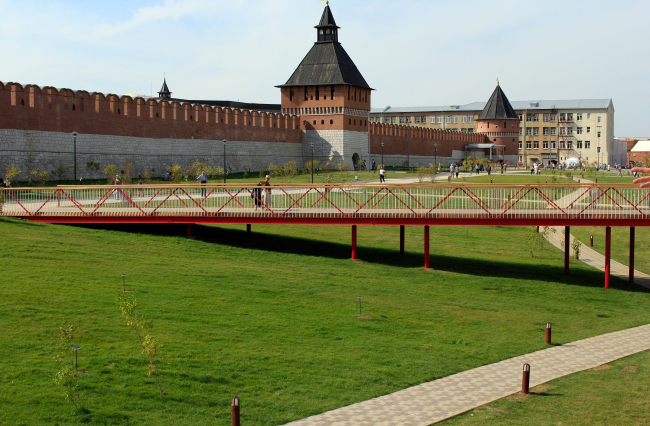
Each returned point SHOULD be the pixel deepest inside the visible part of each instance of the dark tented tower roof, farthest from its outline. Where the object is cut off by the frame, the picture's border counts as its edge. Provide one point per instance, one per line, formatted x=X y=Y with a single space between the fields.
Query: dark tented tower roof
x=327 y=63
x=498 y=107
x=164 y=90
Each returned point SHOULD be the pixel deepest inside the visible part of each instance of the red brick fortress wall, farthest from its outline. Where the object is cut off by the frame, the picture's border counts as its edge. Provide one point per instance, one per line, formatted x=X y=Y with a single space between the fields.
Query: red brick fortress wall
x=52 y=110
x=419 y=141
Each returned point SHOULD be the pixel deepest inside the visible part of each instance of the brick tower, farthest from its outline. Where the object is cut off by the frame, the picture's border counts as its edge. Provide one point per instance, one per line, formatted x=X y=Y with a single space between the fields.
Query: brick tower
x=331 y=97
x=500 y=123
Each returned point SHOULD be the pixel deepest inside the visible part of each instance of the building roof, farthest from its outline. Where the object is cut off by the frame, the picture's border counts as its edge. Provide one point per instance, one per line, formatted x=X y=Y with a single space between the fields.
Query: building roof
x=327 y=63
x=164 y=90
x=498 y=107
x=641 y=146
x=517 y=105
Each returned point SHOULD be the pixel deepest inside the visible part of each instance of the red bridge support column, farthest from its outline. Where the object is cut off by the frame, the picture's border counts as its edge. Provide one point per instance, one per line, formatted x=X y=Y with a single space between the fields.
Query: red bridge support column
x=354 y=242
x=189 y=230
x=567 y=247
x=401 y=239
x=426 y=247
x=631 y=275
x=608 y=247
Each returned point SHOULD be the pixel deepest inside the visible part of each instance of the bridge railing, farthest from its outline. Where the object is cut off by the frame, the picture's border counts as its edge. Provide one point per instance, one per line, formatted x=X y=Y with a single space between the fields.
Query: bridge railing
x=412 y=201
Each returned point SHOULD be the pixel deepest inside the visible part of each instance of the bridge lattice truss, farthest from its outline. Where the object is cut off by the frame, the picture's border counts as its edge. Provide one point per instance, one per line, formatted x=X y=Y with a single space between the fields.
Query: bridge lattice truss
x=432 y=204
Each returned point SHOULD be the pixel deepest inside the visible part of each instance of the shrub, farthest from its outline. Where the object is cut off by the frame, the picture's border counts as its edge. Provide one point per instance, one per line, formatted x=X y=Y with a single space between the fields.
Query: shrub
x=66 y=375
x=127 y=173
x=38 y=178
x=12 y=172
x=110 y=171
x=177 y=174
x=194 y=170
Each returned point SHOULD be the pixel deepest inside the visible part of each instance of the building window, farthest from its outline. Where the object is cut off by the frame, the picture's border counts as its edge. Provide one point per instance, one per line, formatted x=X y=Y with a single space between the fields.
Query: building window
x=528 y=144
x=529 y=117
x=563 y=130
x=520 y=145
x=432 y=119
x=553 y=131
x=569 y=130
x=588 y=129
x=448 y=119
x=579 y=144
x=545 y=131
x=439 y=119
x=561 y=144
x=424 y=119
x=520 y=131
x=392 y=120
x=463 y=119
x=552 y=143
x=519 y=117
x=553 y=117
x=569 y=116
x=401 y=120
x=579 y=116
x=579 y=130
x=454 y=119
x=569 y=144
x=470 y=118
x=536 y=131
x=546 y=117
x=470 y=130
x=535 y=144
x=535 y=117
x=587 y=145
x=333 y=94
x=417 y=120
x=588 y=116
x=464 y=130
x=598 y=134
x=600 y=119
x=408 y=120
x=306 y=94
x=529 y=131
x=545 y=145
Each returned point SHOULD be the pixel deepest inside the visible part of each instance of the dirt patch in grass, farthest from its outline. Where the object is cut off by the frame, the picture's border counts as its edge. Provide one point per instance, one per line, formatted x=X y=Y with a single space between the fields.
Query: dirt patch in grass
x=364 y=316
x=630 y=368
x=601 y=367
x=542 y=388
x=519 y=396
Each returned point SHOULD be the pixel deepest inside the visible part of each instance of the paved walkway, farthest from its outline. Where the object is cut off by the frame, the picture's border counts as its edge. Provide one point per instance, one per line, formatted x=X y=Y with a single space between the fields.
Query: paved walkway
x=440 y=399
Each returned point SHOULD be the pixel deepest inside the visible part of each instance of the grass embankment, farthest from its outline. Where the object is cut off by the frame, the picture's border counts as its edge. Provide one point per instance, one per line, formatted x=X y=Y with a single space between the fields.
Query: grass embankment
x=272 y=317
x=620 y=244
x=614 y=394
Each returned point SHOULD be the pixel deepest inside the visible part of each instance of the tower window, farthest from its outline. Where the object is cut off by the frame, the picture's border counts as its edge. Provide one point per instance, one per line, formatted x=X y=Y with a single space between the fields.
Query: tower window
x=331 y=121
x=291 y=94
x=333 y=95
x=22 y=102
x=306 y=94
x=156 y=115
x=314 y=122
x=322 y=122
x=73 y=107
x=317 y=93
x=118 y=111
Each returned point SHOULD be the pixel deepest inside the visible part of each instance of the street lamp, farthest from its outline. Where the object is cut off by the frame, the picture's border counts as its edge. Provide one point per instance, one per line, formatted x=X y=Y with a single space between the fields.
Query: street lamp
x=312 y=162
x=224 y=161
x=435 y=151
x=74 y=139
x=408 y=149
x=382 y=155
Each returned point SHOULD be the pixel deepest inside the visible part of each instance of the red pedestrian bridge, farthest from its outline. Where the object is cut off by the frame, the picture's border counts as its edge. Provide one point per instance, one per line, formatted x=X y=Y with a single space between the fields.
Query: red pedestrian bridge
x=357 y=204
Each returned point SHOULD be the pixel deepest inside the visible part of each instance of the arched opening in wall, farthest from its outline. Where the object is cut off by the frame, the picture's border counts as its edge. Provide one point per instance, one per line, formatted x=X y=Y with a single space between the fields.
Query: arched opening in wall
x=322 y=122
x=249 y=123
x=355 y=159
x=222 y=120
x=495 y=140
x=488 y=125
x=74 y=108
x=118 y=111
x=355 y=121
x=505 y=125
x=191 y=118
x=314 y=122
x=350 y=121
x=22 y=102
x=331 y=121
x=156 y=115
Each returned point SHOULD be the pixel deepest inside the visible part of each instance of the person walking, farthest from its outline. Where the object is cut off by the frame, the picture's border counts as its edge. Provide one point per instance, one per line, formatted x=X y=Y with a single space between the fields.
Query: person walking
x=257 y=194
x=374 y=166
x=382 y=174
x=117 y=182
x=204 y=181
x=269 y=197
x=457 y=170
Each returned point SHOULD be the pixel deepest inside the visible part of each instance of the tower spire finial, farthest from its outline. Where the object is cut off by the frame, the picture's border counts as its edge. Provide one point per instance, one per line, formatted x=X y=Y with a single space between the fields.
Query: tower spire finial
x=497 y=81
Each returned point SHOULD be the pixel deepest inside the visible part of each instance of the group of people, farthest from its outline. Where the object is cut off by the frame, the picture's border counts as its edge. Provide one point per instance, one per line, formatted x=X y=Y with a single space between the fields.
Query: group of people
x=4 y=184
x=263 y=186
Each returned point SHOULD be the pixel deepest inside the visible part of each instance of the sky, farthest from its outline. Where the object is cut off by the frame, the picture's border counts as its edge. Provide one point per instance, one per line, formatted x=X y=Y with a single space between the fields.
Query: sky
x=412 y=52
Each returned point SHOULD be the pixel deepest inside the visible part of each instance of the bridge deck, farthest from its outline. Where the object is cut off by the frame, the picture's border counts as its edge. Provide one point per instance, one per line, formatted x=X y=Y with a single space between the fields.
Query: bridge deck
x=434 y=204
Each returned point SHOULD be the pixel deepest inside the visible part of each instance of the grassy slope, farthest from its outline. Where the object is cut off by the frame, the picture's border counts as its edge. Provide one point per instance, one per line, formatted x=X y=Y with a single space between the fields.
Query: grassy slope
x=272 y=318
x=620 y=244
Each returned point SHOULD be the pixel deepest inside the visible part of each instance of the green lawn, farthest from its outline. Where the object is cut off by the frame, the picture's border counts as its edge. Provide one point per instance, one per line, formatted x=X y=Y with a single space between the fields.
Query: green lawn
x=620 y=244
x=272 y=317
x=615 y=394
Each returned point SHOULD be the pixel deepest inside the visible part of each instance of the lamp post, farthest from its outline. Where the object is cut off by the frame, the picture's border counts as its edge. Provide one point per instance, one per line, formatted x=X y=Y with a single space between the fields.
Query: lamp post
x=408 y=149
x=312 y=162
x=435 y=152
x=382 y=154
x=74 y=141
x=224 y=161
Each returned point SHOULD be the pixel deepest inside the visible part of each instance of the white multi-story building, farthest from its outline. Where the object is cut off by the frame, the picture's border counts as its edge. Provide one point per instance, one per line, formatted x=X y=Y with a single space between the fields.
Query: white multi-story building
x=550 y=131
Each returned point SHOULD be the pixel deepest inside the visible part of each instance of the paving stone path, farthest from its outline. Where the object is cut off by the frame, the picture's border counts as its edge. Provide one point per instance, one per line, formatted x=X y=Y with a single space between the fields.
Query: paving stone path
x=440 y=399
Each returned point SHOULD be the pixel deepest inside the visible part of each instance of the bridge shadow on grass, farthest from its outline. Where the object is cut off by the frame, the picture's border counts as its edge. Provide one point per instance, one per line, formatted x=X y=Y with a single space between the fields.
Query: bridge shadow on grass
x=469 y=264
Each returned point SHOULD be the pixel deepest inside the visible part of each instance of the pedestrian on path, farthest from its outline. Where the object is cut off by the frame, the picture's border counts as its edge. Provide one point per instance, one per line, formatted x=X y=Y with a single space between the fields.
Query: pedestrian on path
x=257 y=194
x=269 y=197
x=382 y=174
x=204 y=181
x=117 y=182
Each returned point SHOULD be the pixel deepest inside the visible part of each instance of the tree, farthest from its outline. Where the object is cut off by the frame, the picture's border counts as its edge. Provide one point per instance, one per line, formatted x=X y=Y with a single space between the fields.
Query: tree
x=12 y=172
x=110 y=172
x=128 y=305
x=38 y=178
x=66 y=375
x=194 y=170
